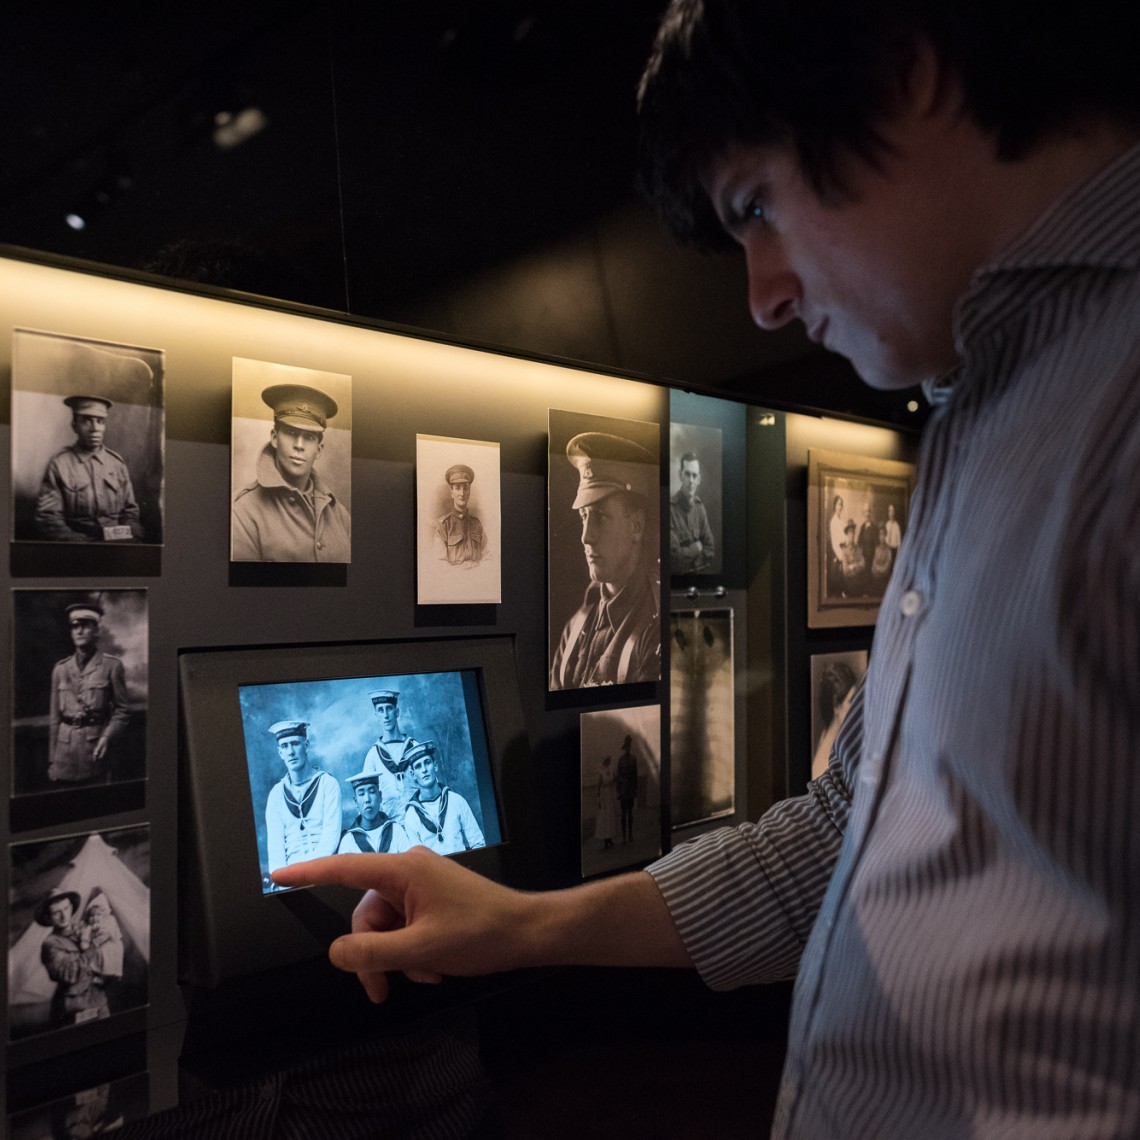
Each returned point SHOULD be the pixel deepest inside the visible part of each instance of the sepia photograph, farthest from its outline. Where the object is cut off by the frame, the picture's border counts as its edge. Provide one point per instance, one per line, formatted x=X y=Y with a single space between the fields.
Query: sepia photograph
x=696 y=474
x=702 y=743
x=88 y=440
x=93 y=1111
x=858 y=509
x=366 y=764
x=79 y=688
x=78 y=929
x=604 y=496
x=458 y=521
x=834 y=677
x=621 y=788
x=291 y=473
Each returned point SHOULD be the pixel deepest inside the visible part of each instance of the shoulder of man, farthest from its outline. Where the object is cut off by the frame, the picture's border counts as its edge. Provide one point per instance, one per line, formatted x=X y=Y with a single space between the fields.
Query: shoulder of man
x=114 y=455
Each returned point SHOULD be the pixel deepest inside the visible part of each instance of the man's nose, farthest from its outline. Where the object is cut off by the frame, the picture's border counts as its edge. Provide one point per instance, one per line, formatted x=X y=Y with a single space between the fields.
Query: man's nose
x=774 y=291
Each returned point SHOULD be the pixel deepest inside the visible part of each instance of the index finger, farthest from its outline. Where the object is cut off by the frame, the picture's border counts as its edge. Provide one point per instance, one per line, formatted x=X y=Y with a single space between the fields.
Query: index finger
x=360 y=871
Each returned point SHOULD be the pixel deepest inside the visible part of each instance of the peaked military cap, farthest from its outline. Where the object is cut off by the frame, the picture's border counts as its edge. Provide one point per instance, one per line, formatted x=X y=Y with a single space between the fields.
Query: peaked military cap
x=77 y=610
x=286 y=728
x=82 y=404
x=608 y=464
x=385 y=697
x=459 y=472
x=300 y=406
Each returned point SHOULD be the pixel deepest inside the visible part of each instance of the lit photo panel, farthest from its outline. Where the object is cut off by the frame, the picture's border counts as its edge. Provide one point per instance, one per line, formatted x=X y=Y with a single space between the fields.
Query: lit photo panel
x=359 y=764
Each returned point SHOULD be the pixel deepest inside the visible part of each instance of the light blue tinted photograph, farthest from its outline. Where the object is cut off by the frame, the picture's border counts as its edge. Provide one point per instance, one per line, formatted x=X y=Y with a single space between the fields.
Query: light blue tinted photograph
x=362 y=764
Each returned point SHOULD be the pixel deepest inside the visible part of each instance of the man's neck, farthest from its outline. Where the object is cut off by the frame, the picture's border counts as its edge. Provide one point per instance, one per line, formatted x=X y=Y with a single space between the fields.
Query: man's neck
x=302 y=777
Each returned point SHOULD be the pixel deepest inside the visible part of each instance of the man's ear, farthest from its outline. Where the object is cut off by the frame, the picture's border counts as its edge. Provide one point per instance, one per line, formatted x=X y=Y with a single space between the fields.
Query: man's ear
x=637 y=522
x=928 y=87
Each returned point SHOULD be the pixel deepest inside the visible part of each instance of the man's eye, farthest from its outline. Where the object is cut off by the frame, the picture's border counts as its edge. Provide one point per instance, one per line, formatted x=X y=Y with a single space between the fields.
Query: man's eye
x=754 y=211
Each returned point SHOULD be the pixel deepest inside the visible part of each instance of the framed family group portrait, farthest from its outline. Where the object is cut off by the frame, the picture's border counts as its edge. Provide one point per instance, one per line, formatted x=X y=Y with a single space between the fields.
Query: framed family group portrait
x=858 y=510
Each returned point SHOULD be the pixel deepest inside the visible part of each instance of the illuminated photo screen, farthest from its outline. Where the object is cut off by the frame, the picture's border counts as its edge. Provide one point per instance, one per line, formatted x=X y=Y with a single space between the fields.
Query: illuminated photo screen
x=379 y=763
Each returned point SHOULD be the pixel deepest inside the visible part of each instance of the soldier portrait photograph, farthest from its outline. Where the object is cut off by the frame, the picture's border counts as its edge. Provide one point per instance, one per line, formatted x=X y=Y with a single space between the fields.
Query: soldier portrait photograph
x=78 y=929
x=88 y=443
x=80 y=686
x=603 y=506
x=458 y=521
x=695 y=476
x=291 y=473
x=332 y=766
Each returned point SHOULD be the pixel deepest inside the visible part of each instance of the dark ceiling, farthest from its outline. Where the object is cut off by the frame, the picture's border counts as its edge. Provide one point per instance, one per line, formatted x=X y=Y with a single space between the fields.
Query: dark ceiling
x=431 y=165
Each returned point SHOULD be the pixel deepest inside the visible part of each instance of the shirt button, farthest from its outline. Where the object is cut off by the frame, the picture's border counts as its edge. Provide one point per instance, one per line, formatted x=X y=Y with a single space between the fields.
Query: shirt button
x=910 y=603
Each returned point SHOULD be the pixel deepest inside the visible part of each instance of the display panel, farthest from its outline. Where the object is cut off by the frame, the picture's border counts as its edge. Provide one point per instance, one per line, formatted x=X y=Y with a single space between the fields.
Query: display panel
x=379 y=763
x=445 y=713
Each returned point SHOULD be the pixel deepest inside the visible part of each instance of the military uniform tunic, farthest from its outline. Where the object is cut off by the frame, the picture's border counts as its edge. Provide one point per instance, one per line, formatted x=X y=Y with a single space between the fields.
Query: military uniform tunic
x=461 y=538
x=610 y=641
x=274 y=522
x=81 y=493
x=87 y=702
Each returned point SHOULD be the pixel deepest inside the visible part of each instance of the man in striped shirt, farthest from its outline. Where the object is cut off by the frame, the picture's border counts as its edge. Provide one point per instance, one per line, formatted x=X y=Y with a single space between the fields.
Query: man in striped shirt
x=945 y=192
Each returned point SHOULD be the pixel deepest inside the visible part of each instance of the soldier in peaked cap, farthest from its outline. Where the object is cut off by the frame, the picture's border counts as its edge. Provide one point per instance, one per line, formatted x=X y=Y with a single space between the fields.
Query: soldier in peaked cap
x=438 y=816
x=615 y=635
x=387 y=757
x=459 y=536
x=88 y=702
x=86 y=494
x=288 y=514
x=372 y=829
x=302 y=811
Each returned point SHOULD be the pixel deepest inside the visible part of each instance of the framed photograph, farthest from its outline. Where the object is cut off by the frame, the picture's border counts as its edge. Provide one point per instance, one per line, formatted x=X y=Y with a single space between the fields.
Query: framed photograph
x=604 y=496
x=458 y=521
x=291 y=464
x=702 y=747
x=621 y=788
x=78 y=929
x=93 y=1111
x=79 y=688
x=833 y=680
x=858 y=509
x=696 y=474
x=88 y=440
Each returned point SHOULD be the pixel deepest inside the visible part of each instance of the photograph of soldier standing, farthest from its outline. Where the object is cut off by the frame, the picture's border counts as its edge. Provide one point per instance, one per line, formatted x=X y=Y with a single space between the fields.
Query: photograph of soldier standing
x=288 y=513
x=88 y=451
x=459 y=535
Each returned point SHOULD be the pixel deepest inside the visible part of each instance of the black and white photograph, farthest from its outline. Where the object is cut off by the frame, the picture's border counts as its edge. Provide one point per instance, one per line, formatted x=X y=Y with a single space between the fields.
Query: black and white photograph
x=88 y=440
x=93 y=1111
x=458 y=521
x=621 y=788
x=79 y=688
x=366 y=764
x=833 y=680
x=702 y=744
x=78 y=929
x=604 y=498
x=291 y=475
x=696 y=476
x=858 y=507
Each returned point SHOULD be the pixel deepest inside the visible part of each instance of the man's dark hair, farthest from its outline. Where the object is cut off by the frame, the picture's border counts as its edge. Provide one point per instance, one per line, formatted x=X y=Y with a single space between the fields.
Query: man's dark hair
x=688 y=457
x=822 y=75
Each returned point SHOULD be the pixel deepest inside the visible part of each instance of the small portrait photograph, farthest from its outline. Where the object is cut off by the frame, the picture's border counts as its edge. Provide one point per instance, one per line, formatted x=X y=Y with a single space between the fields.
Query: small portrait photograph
x=458 y=521
x=857 y=515
x=621 y=788
x=702 y=744
x=78 y=929
x=88 y=440
x=833 y=680
x=603 y=539
x=291 y=473
x=366 y=764
x=87 y=1112
x=696 y=468
x=79 y=688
